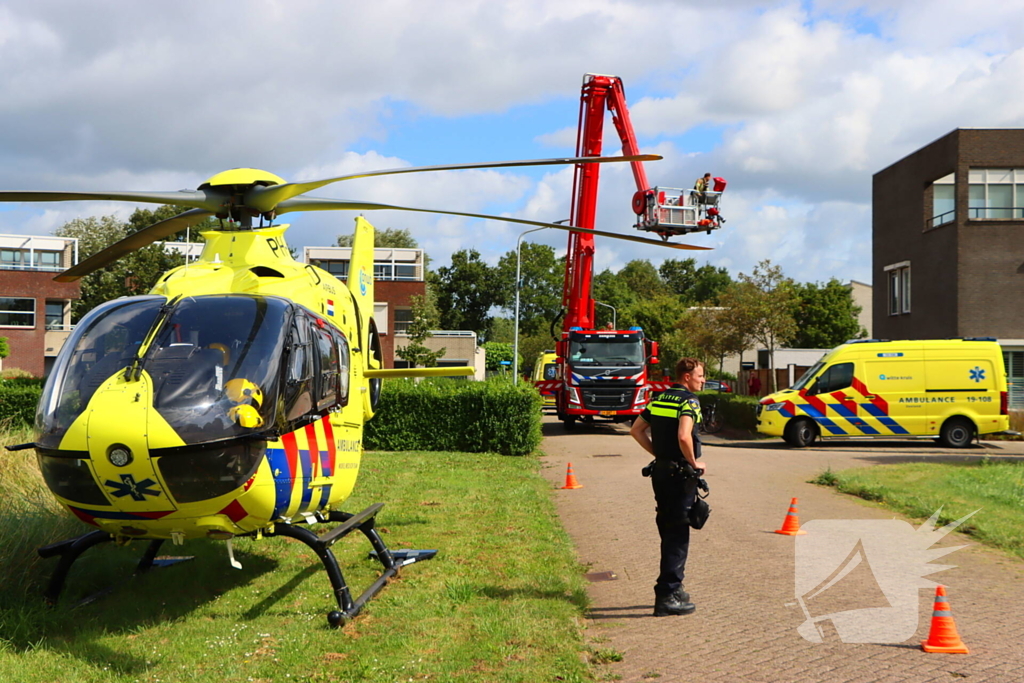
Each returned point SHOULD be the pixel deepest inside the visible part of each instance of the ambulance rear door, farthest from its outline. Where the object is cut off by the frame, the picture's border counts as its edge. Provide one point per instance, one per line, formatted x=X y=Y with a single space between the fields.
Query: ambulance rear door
x=963 y=379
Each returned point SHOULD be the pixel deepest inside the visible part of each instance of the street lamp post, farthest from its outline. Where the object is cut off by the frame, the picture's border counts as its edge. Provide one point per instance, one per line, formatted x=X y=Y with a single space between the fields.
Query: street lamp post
x=515 y=345
x=614 y=314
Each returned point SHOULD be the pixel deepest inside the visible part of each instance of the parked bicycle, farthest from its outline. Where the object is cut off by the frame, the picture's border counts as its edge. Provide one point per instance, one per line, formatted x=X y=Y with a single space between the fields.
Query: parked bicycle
x=711 y=420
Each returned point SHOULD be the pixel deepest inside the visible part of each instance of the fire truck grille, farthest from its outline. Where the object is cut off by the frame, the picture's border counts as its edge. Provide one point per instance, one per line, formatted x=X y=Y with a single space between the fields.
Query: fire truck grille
x=607 y=399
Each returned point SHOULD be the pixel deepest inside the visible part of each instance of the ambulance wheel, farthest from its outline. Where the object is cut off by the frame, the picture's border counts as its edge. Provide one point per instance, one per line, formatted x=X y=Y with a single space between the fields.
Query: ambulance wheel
x=800 y=433
x=957 y=432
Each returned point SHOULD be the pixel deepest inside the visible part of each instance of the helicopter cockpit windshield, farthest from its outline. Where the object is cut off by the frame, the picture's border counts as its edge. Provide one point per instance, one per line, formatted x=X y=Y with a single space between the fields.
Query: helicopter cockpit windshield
x=105 y=342
x=214 y=363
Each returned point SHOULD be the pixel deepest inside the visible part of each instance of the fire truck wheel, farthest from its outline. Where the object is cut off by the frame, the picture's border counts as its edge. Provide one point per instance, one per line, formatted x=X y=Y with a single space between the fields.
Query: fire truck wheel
x=570 y=422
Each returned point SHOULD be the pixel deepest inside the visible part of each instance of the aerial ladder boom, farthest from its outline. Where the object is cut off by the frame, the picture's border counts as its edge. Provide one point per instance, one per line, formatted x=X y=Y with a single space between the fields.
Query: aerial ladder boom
x=599 y=93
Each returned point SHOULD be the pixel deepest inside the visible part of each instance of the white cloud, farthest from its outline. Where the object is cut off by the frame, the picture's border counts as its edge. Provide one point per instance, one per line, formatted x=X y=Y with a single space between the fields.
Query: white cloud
x=809 y=100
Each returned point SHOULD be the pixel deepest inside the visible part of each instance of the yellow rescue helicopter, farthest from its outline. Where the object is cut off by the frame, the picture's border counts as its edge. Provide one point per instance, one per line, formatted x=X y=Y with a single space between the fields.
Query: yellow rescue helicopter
x=229 y=400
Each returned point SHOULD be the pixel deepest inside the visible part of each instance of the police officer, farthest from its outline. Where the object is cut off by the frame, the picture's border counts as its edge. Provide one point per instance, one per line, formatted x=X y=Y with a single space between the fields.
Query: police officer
x=668 y=430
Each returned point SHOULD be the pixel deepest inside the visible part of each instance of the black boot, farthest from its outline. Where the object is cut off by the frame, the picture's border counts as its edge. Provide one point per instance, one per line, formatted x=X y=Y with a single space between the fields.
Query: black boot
x=673 y=604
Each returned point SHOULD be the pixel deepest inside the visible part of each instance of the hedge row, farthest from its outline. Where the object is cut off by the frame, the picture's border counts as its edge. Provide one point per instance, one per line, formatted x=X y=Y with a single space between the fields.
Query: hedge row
x=18 y=402
x=738 y=411
x=446 y=415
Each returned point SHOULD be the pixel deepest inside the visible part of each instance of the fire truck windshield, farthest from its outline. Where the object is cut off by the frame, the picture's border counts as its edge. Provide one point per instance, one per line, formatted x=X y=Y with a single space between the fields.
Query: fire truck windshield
x=607 y=351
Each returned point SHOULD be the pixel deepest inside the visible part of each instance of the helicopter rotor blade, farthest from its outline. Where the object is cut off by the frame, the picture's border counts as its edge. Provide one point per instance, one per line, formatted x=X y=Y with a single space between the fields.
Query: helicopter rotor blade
x=198 y=199
x=136 y=240
x=314 y=204
x=264 y=199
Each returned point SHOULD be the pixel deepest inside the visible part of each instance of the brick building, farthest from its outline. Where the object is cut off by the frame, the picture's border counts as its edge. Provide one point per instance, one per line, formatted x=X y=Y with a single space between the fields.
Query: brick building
x=35 y=311
x=948 y=244
x=398 y=276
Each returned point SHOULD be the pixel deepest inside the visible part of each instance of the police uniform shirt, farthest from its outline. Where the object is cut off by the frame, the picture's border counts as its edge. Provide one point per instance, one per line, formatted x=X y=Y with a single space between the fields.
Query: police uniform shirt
x=663 y=414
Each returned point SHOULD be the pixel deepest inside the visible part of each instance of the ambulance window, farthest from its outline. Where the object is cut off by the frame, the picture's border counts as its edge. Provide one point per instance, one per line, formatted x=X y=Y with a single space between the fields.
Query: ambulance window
x=837 y=377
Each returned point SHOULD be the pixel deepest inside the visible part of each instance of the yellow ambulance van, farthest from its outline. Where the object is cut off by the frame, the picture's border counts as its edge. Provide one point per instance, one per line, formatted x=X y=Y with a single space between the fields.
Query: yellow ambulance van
x=545 y=374
x=954 y=389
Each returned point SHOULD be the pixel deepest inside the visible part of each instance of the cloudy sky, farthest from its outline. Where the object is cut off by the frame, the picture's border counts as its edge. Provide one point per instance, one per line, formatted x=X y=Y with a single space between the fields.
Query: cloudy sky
x=796 y=104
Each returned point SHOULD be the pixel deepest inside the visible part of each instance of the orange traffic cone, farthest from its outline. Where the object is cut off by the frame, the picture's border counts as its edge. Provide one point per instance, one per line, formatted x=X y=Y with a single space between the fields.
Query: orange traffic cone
x=570 y=480
x=943 y=636
x=791 y=525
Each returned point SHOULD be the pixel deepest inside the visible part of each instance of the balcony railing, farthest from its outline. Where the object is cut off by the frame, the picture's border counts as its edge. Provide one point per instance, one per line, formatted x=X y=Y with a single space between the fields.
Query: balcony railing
x=975 y=213
x=10 y=265
x=942 y=219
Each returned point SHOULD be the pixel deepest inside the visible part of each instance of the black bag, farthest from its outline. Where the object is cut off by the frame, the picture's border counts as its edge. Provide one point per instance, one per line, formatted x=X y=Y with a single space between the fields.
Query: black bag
x=699 y=513
x=700 y=510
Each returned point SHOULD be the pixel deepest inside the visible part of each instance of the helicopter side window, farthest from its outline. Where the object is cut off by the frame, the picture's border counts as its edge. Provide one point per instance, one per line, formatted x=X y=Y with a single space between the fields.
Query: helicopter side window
x=344 y=366
x=298 y=398
x=327 y=354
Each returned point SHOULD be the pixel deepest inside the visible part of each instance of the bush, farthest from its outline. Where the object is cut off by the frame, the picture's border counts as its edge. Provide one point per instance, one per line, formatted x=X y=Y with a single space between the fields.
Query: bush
x=738 y=412
x=16 y=373
x=446 y=415
x=18 y=402
x=726 y=376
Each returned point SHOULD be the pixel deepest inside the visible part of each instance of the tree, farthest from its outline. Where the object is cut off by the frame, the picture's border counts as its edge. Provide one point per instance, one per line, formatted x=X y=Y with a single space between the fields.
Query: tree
x=143 y=218
x=695 y=285
x=762 y=303
x=135 y=273
x=502 y=330
x=658 y=316
x=709 y=331
x=466 y=291
x=424 y=319
x=531 y=346
x=5 y=349
x=540 y=292
x=642 y=277
x=825 y=315
x=614 y=291
x=496 y=352
x=388 y=238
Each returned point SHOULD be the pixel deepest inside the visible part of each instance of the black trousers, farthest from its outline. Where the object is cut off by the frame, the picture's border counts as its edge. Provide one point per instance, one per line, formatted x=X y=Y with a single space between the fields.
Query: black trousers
x=674 y=494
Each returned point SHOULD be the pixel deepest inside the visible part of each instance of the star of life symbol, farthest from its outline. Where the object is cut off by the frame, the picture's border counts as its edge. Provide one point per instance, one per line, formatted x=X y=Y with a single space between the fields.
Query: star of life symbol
x=138 y=490
x=977 y=374
x=864 y=576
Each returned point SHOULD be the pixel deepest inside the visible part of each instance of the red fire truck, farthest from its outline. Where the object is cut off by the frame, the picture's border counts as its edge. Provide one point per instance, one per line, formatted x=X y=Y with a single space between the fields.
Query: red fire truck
x=603 y=374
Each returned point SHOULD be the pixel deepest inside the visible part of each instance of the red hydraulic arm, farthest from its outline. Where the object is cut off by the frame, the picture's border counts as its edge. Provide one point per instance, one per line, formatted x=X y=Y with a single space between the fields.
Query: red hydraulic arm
x=599 y=92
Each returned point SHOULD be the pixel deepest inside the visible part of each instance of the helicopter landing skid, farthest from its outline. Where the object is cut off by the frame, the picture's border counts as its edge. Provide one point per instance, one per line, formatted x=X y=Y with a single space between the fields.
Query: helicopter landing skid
x=321 y=545
x=72 y=548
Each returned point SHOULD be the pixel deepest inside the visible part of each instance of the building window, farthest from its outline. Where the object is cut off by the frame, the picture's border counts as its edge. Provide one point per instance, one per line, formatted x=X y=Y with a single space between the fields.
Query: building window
x=54 y=315
x=17 y=312
x=995 y=193
x=403 y=319
x=943 y=201
x=12 y=258
x=338 y=269
x=899 y=287
x=1014 y=361
x=48 y=260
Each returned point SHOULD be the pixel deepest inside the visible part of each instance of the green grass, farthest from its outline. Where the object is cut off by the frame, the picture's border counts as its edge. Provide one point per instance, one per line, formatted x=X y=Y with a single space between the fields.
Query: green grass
x=919 y=489
x=503 y=601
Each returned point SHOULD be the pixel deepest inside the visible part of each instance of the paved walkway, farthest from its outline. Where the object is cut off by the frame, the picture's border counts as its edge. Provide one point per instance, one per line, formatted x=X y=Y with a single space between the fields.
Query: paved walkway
x=742 y=576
